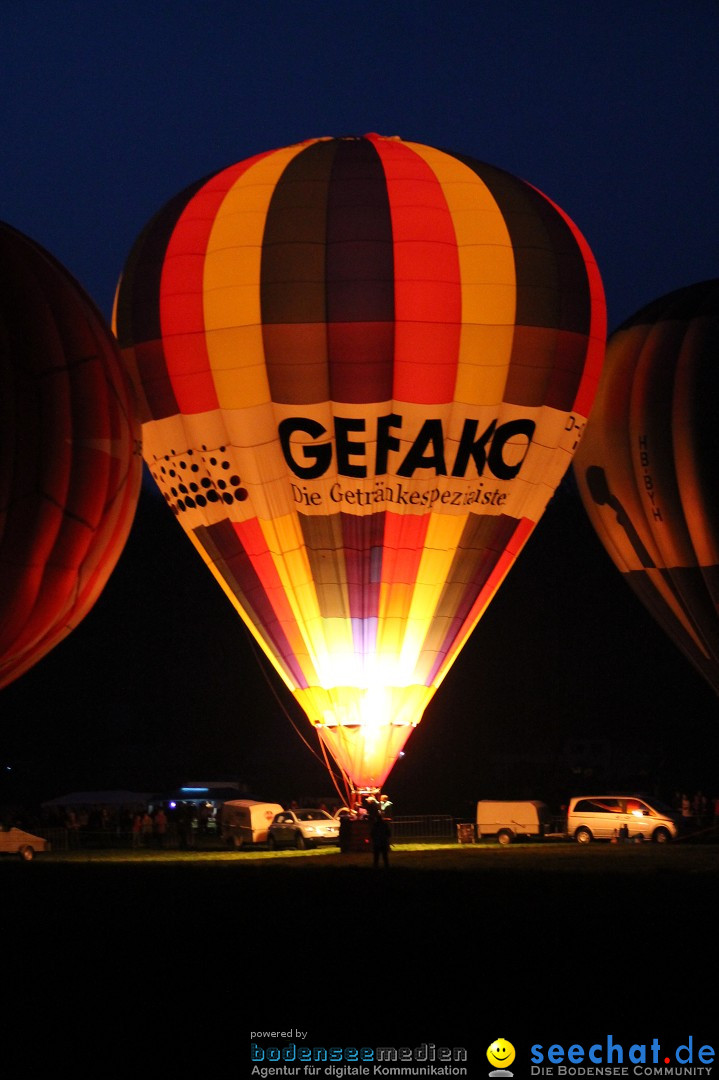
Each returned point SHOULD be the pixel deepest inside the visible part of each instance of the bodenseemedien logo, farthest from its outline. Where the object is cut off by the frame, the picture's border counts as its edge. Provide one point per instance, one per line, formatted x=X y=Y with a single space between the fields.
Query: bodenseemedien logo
x=300 y=1059
x=500 y=1054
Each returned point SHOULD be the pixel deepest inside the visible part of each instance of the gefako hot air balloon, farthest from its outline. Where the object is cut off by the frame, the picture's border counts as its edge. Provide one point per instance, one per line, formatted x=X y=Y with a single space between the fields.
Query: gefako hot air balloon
x=366 y=364
x=648 y=466
x=70 y=459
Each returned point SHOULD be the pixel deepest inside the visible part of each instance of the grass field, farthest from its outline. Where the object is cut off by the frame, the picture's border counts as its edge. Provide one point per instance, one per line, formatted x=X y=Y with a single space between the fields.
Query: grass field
x=453 y=944
x=555 y=857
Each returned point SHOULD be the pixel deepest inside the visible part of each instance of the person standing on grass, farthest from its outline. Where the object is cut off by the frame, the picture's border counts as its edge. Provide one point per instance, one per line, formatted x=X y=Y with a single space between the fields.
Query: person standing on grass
x=147 y=828
x=137 y=830
x=160 y=826
x=380 y=834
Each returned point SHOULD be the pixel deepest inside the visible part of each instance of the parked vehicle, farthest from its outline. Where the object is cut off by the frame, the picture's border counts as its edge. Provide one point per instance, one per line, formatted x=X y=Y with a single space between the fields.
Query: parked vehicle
x=246 y=821
x=609 y=817
x=509 y=821
x=303 y=828
x=18 y=842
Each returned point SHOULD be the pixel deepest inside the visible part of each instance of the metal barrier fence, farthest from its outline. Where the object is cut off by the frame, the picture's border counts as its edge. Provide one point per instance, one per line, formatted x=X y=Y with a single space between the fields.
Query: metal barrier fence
x=62 y=839
x=424 y=827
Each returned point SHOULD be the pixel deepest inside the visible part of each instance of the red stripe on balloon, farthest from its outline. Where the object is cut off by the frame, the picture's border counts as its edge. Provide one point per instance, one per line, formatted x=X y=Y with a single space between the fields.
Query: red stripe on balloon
x=404 y=540
x=255 y=572
x=428 y=299
x=181 y=293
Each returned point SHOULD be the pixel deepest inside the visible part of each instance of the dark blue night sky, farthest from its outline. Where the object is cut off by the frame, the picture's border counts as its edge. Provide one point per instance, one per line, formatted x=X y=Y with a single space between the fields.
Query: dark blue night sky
x=610 y=109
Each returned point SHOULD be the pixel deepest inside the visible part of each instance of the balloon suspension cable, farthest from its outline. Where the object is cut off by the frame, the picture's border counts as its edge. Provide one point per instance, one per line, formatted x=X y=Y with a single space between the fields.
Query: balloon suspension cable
x=346 y=795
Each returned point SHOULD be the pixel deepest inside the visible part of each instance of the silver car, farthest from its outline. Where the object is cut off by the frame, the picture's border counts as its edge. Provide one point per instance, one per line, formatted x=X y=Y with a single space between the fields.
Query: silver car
x=302 y=829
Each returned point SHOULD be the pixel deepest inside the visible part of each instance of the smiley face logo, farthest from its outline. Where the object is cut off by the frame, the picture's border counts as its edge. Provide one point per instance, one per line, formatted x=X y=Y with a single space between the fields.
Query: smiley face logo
x=500 y=1054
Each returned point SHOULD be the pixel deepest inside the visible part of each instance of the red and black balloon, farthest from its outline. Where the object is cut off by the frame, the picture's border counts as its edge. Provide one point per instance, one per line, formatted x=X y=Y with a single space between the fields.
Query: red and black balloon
x=70 y=453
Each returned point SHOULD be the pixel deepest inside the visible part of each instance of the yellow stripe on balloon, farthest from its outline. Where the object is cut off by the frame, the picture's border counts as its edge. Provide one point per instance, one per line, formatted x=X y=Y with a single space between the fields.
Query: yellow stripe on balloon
x=443 y=536
x=231 y=284
x=292 y=566
x=488 y=279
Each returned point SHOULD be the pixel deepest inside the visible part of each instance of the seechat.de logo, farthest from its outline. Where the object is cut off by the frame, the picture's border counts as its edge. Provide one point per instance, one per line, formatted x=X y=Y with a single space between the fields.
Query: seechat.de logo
x=610 y=1057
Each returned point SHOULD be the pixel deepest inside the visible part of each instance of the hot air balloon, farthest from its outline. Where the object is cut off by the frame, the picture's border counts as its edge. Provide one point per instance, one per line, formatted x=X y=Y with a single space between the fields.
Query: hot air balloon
x=365 y=364
x=648 y=466
x=70 y=458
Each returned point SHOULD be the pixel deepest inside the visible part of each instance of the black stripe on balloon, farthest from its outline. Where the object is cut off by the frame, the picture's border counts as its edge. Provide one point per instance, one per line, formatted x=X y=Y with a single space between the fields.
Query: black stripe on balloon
x=360 y=262
x=552 y=283
x=292 y=275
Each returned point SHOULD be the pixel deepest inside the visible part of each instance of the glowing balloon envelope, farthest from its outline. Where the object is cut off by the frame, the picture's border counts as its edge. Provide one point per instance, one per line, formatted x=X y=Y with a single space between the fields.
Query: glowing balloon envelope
x=70 y=459
x=648 y=465
x=366 y=364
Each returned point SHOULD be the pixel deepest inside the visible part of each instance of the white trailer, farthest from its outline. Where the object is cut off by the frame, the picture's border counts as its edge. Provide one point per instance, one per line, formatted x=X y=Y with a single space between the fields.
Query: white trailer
x=245 y=821
x=508 y=821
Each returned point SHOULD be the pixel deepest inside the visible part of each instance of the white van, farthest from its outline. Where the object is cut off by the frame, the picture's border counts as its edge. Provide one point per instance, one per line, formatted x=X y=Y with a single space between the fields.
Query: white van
x=245 y=821
x=511 y=820
x=615 y=817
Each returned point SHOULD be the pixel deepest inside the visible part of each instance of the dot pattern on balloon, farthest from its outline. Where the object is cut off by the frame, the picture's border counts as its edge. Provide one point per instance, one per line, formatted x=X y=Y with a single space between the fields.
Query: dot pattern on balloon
x=195 y=479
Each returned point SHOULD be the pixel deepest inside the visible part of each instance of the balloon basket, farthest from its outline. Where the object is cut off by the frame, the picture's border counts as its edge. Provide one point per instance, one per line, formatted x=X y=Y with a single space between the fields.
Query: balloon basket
x=366 y=804
x=354 y=834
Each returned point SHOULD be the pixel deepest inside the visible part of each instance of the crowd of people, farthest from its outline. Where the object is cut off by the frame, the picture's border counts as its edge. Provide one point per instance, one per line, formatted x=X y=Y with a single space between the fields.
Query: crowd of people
x=172 y=824
x=699 y=809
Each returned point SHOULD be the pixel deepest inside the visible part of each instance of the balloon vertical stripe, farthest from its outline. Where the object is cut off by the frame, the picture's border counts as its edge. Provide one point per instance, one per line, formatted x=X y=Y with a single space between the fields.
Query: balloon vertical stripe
x=427 y=279
x=248 y=570
x=140 y=308
x=360 y=277
x=182 y=306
